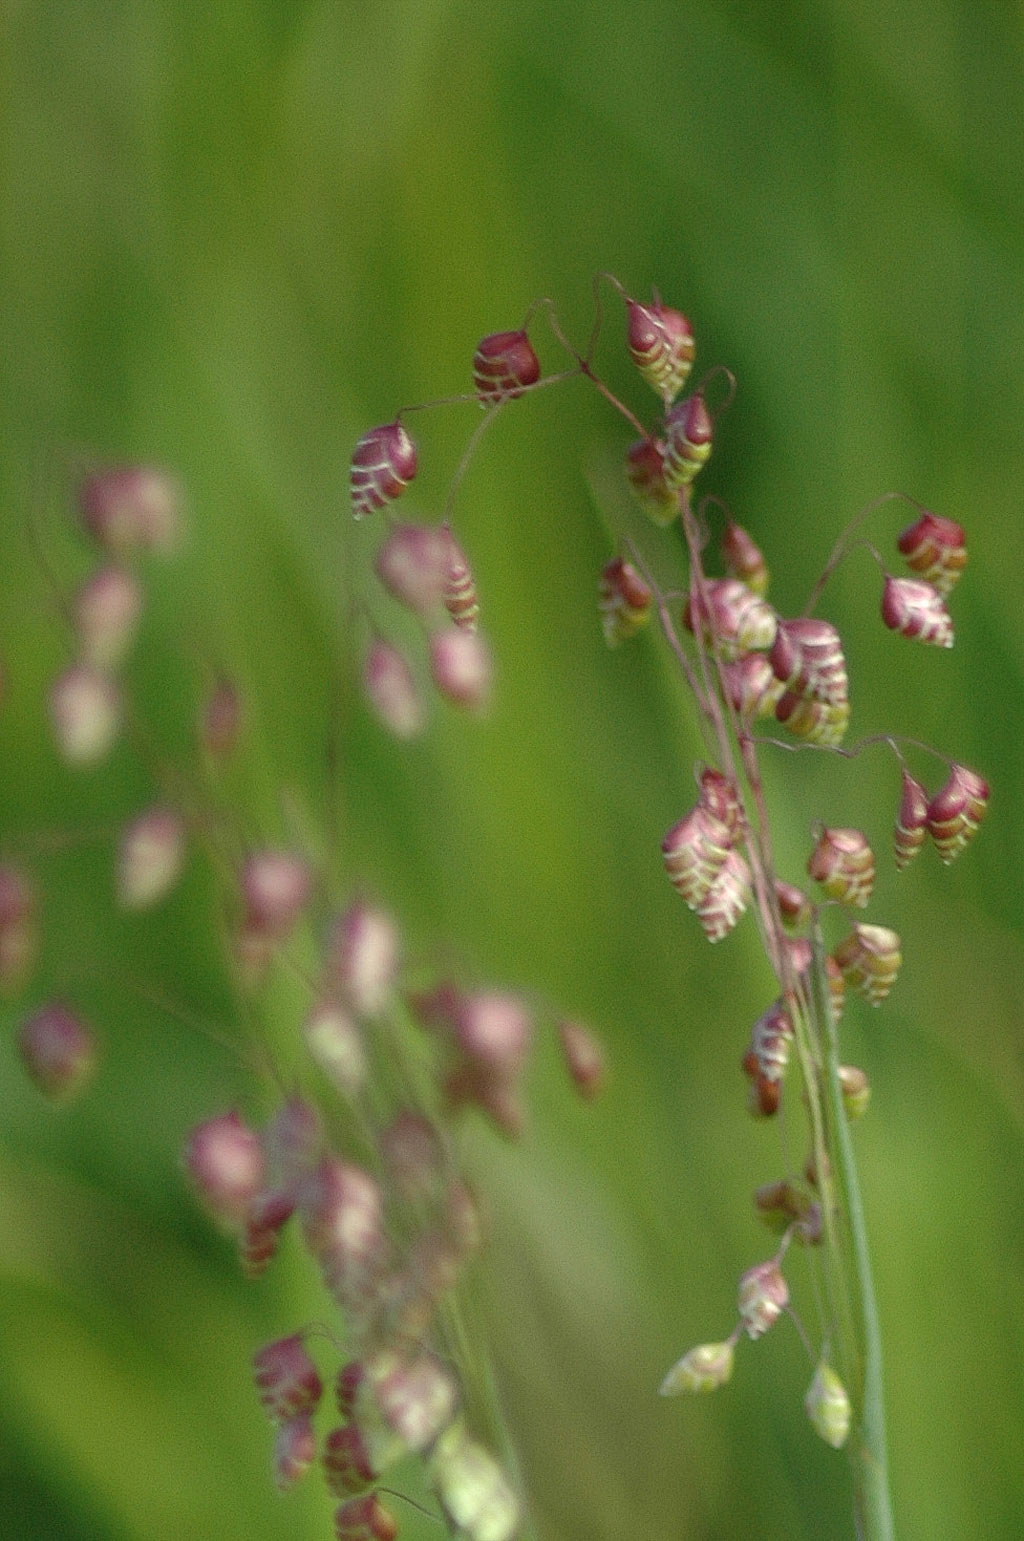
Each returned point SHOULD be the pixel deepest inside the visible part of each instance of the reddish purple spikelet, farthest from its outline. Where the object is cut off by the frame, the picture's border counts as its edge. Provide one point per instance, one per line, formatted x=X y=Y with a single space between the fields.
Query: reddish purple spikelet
x=58 y=1052
x=150 y=855
x=807 y=657
x=794 y=905
x=624 y=601
x=688 y=432
x=220 y=719
x=286 y=1378
x=347 y=1464
x=743 y=558
x=347 y=1382
x=935 y=549
x=131 y=508
x=645 y=473
x=392 y=692
x=107 y=608
x=732 y=616
x=767 y=1057
x=956 y=811
x=459 y=591
x=226 y=1163
x=727 y=898
x=694 y=852
x=412 y=564
x=265 y=1218
x=814 y=721
x=911 y=826
x=294 y=1451
x=661 y=346
x=915 y=609
x=870 y=959
x=844 y=864
x=763 y=1295
x=365 y=1519
x=752 y=687
x=383 y=464
x=504 y=364
x=719 y=794
x=780 y=1204
x=18 y=927
x=85 y=711
x=584 y=1058
x=460 y=664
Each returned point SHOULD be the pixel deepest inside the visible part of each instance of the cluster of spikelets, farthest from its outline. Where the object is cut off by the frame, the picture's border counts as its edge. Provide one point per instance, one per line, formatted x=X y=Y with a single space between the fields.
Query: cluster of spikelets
x=391 y=1236
x=401 y=1061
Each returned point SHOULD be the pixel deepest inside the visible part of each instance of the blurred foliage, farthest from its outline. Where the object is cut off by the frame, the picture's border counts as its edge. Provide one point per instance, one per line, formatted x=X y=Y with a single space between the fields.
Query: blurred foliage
x=234 y=236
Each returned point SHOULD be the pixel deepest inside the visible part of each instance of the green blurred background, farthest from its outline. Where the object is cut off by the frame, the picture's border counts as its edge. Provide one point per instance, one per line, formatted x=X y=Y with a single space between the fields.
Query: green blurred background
x=237 y=234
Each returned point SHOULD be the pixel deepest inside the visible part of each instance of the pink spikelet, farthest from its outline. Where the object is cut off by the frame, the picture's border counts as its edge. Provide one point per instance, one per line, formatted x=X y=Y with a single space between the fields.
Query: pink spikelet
x=695 y=852
x=383 y=465
x=688 y=434
x=459 y=592
x=286 y=1379
x=915 y=609
x=504 y=364
x=732 y=616
x=935 y=549
x=744 y=558
x=661 y=346
x=956 y=811
x=727 y=898
x=911 y=827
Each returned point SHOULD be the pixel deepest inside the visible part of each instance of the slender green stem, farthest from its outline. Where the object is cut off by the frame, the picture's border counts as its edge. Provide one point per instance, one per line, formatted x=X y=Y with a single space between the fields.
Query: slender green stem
x=872 y=1503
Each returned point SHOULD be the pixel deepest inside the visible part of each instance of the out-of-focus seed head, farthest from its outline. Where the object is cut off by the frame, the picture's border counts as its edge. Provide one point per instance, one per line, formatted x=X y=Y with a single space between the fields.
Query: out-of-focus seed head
x=85 y=712
x=752 y=687
x=856 y=1090
x=220 y=719
x=870 y=960
x=347 y=1382
x=732 y=616
x=265 y=1218
x=695 y=851
x=19 y=928
x=107 y=608
x=459 y=592
x=294 y=1451
x=956 y=811
x=763 y=1295
x=504 y=364
x=915 y=609
x=624 y=601
x=413 y=1154
x=226 y=1164
x=794 y=905
x=784 y=1204
x=494 y=1031
x=726 y=899
x=131 y=508
x=460 y=664
x=743 y=558
x=383 y=465
x=703 y=1368
x=416 y=1396
x=392 y=691
x=911 y=828
x=347 y=1464
x=472 y=1489
x=828 y=1406
x=294 y=1142
x=584 y=1058
x=645 y=473
x=150 y=855
x=363 y=957
x=286 y=1378
x=58 y=1052
x=844 y=864
x=688 y=434
x=276 y=886
x=935 y=549
x=343 y=1222
x=661 y=346
x=807 y=657
x=472 y=1083
x=365 y=1519
x=412 y=564
x=335 y=1043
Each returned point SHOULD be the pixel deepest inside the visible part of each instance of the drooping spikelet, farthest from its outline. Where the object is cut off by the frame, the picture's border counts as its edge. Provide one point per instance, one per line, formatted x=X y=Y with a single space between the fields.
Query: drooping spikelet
x=870 y=959
x=743 y=558
x=935 y=549
x=383 y=465
x=844 y=864
x=911 y=827
x=661 y=346
x=695 y=852
x=956 y=811
x=732 y=615
x=624 y=601
x=504 y=364
x=460 y=595
x=645 y=473
x=726 y=899
x=688 y=433
x=915 y=609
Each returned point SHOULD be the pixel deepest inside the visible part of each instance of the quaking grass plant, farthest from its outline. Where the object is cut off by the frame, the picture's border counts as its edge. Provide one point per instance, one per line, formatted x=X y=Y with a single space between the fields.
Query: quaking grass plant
x=362 y=1155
